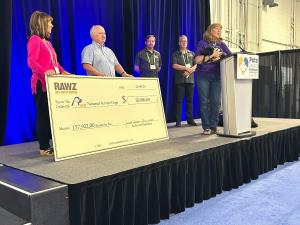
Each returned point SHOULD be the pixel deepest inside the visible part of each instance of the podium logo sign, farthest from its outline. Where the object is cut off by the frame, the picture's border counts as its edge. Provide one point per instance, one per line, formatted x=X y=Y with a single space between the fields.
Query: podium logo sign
x=243 y=64
x=247 y=66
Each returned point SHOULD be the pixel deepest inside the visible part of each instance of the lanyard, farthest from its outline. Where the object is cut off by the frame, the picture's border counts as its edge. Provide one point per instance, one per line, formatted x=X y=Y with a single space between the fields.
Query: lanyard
x=149 y=58
x=52 y=60
x=185 y=59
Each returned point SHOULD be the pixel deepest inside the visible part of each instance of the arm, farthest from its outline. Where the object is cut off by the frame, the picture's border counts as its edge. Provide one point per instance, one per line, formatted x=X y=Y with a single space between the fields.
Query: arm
x=87 y=58
x=121 y=71
x=216 y=55
x=65 y=72
x=183 y=68
x=177 y=66
x=91 y=70
x=186 y=71
x=62 y=70
x=200 y=59
x=118 y=66
x=33 y=49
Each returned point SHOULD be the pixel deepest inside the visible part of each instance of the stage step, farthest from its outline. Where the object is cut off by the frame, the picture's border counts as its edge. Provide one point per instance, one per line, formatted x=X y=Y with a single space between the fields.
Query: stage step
x=34 y=199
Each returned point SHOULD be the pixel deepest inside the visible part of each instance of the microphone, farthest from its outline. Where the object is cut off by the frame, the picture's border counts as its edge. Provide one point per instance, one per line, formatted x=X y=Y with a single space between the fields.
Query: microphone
x=238 y=45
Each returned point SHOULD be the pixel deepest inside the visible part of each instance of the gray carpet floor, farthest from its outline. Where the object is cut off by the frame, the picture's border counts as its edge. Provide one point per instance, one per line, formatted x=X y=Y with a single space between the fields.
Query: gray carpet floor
x=183 y=141
x=273 y=199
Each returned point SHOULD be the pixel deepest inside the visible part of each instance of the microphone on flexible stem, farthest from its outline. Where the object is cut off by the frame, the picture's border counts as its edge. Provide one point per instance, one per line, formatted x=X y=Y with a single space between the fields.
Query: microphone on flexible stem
x=241 y=44
x=238 y=45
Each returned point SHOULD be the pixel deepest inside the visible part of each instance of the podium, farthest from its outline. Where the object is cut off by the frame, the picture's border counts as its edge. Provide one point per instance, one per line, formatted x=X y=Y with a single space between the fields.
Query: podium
x=237 y=72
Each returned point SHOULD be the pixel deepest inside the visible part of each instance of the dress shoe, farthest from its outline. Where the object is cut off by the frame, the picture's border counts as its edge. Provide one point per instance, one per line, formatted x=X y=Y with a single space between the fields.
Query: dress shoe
x=178 y=124
x=192 y=123
x=47 y=152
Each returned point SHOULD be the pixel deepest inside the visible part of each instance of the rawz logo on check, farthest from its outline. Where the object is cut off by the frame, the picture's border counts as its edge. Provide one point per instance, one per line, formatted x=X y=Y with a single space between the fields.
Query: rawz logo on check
x=61 y=86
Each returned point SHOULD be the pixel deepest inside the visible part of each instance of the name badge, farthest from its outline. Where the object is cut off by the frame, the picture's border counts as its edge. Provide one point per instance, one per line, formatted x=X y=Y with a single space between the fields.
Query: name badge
x=152 y=67
x=188 y=65
x=56 y=70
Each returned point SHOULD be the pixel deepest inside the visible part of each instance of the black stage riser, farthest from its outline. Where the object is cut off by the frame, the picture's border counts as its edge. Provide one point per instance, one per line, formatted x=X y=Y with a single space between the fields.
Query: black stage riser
x=7 y=218
x=15 y=202
x=44 y=203
x=148 y=194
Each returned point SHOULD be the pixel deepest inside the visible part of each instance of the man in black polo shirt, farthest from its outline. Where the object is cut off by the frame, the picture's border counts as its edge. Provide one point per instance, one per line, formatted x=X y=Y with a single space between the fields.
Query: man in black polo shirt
x=184 y=67
x=148 y=61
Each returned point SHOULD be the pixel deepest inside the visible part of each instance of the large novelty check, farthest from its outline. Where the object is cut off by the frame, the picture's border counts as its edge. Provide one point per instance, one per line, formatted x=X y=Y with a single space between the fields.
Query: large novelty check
x=94 y=114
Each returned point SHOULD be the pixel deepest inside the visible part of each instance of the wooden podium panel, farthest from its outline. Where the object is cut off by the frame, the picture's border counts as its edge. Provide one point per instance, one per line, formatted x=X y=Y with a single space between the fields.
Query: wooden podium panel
x=95 y=114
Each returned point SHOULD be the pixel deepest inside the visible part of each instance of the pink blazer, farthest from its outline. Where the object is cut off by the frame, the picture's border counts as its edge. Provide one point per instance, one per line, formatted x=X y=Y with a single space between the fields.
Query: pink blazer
x=39 y=60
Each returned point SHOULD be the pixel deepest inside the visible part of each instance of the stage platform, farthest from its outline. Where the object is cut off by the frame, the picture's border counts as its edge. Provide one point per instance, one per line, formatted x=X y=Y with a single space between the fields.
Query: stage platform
x=142 y=184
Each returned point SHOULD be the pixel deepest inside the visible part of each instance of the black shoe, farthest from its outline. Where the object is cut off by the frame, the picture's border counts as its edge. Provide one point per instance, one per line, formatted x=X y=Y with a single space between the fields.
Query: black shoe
x=178 y=124
x=192 y=123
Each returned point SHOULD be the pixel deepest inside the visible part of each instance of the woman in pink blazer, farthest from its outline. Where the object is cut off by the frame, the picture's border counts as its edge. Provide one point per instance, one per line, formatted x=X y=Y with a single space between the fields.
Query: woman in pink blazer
x=42 y=60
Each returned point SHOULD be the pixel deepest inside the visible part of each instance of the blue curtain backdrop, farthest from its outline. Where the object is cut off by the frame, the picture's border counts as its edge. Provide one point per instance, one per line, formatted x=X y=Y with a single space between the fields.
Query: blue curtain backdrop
x=127 y=22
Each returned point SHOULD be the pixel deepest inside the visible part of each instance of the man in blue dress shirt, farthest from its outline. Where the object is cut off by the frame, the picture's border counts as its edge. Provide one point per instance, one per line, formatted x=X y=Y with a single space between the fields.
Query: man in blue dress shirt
x=99 y=60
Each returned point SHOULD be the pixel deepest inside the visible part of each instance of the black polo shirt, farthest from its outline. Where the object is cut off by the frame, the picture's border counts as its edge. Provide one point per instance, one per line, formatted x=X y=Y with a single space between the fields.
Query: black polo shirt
x=183 y=59
x=144 y=59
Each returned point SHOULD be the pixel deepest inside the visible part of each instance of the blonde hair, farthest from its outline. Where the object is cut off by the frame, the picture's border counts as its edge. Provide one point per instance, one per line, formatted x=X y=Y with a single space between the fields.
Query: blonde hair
x=208 y=36
x=39 y=24
x=182 y=36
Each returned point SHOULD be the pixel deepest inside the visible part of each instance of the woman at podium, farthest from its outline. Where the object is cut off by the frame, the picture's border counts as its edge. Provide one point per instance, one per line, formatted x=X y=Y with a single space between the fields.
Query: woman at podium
x=42 y=60
x=209 y=52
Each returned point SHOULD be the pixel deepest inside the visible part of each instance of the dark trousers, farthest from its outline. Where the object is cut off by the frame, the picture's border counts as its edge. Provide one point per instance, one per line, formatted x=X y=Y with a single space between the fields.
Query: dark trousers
x=187 y=90
x=43 y=129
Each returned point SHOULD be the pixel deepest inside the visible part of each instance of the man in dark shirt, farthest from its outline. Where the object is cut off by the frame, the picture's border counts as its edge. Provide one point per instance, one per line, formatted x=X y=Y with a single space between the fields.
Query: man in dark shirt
x=148 y=61
x=184 y=67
